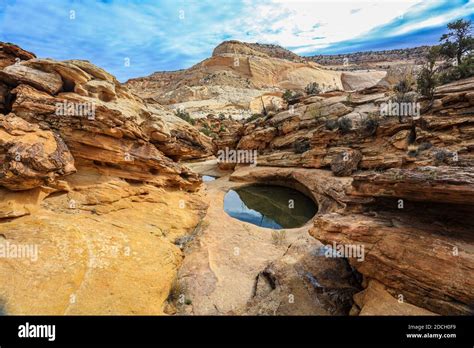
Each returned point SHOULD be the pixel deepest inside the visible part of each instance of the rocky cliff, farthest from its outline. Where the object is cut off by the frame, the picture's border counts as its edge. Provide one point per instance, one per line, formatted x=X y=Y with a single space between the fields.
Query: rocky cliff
x=235 y=78
x=91 y=181
x=92 y=175
x=402 y=188
x=98 y=121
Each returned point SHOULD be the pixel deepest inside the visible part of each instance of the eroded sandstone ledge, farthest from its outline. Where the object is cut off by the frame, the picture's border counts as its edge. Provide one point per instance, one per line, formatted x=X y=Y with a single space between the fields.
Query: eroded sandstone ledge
x=106 y=198
x=100 y=196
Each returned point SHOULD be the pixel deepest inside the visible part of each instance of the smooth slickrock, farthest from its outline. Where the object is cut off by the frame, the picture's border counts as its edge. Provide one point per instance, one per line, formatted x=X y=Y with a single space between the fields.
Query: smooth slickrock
x=104 y=246
x=222 y=262
x=105 y=237
x=304 y=282
x=233 y=267
x=354 y=81
x=376 y=300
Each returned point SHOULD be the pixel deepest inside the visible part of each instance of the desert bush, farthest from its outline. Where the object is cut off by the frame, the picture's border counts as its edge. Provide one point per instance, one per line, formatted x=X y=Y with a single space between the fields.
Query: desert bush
x=279 y=237
x=462 y=71
x=291 y=97
x=428 y=78
x=206 y=131
x=425 y=146
x=457 y=44
x=312 y=88
x=331 y=125
x=288 y=95
x=182 y=114
x=412 y=150
x=458 y=41
x=253 y=117
x=369 y=126
x=345 y=125
x=404 y=86
x=177 y=293
x=302 y=146
x=441 y=155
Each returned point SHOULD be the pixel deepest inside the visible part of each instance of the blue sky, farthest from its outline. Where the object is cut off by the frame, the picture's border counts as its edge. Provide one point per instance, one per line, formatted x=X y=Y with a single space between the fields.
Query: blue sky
x=160 y=35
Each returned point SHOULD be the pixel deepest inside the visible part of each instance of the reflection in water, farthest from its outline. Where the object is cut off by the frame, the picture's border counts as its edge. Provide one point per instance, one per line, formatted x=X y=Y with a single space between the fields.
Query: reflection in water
x=269 y=206
x=207 y=178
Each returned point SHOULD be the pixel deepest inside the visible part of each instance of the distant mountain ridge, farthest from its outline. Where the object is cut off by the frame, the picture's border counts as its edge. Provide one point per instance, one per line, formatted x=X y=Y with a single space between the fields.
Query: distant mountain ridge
x=256 y=49
x=238 y=74
x=411 y=54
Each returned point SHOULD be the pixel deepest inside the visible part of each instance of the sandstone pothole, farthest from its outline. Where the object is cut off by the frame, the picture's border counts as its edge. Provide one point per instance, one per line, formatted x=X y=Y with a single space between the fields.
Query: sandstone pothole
x=270 y=206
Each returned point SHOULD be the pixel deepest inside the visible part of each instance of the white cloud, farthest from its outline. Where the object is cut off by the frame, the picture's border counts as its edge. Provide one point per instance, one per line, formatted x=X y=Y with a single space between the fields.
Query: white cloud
x=299 y=23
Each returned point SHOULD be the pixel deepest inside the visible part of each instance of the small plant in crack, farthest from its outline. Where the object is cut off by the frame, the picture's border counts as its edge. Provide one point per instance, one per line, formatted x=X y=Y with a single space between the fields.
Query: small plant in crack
x=179 y=295
x=279 y=237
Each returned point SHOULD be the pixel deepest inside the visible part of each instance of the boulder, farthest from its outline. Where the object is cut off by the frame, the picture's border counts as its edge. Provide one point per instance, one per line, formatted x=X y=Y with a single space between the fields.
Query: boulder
x=346 y=162
x=11 y=54
x=31 y=157
x=19 y=73
x=304 y=282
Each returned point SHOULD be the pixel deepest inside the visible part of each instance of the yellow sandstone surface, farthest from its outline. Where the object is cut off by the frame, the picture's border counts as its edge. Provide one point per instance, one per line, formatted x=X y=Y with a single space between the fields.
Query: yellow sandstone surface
x=104 y=246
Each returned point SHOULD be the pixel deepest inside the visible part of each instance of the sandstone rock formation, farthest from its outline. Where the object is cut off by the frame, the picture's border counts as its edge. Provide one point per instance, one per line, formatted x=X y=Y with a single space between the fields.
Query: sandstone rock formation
x=31 y=157
x=102 y=124
x=11 y=54
x=404 y=195
x=304 y=282
x=103 y=246
x=236 y=77
x=93 y=175
x=92 y=188
x=314 y=132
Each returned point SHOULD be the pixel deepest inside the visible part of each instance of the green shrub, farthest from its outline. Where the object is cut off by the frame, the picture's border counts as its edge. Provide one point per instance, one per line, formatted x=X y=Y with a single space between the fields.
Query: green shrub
x=313 y=88
x=464 y=70
x=441 y=155
x=253 y=117
x=457 y=44
x=458 y=40
x=205 y=130
x=287 y=96
x=428 y=78
x=182 y=114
